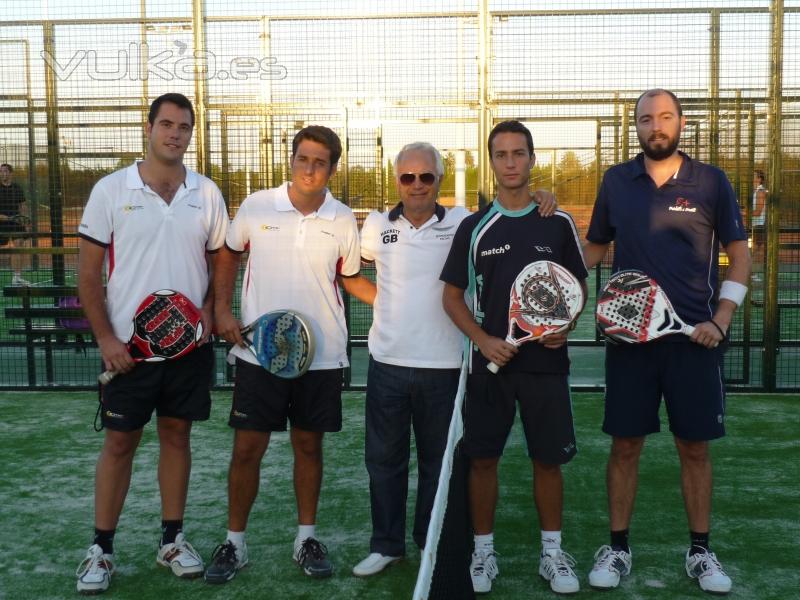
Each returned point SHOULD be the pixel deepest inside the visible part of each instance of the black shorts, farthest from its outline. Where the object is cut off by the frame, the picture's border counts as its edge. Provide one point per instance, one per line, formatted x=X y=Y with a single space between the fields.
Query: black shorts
x=545 y=408
x=11 y=230
x=264 y=402
x=687 y=375
x=174 y=388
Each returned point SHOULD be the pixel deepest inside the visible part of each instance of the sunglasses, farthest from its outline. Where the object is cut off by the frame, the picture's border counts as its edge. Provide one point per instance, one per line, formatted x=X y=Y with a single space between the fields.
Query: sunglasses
x=424 y=178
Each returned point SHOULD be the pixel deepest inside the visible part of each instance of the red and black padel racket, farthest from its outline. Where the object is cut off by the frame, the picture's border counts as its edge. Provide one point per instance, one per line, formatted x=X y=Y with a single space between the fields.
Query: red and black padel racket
x=167 y=325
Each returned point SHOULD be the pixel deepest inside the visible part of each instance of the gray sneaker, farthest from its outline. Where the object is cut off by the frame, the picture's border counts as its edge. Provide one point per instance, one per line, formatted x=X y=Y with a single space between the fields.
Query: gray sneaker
x=312 y=556
x=226 y=560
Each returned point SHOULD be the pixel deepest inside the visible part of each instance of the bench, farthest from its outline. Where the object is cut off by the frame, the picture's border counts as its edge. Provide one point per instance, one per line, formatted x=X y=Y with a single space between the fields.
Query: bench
x=37 y=310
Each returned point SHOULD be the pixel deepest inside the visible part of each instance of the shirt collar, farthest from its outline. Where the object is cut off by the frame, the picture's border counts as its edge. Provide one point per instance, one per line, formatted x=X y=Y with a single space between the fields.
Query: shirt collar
x=133 y=180
x=684 y=175
x=439 y=212
x=327 y=211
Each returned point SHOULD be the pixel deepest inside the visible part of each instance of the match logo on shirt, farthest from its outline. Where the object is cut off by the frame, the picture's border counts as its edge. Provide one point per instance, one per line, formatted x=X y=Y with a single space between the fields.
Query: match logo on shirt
x=269 y=228
x=132 y=207
x=683 y=205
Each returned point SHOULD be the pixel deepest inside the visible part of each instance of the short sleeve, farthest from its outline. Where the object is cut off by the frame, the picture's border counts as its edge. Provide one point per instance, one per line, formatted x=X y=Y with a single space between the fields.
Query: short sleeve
x=97 y=222
x=218 y=225
x=600 y=229
x=351 y=250
x=456 y=271
x=729 y=224
x=238 y=234
x=573 y=254
x=369 y=236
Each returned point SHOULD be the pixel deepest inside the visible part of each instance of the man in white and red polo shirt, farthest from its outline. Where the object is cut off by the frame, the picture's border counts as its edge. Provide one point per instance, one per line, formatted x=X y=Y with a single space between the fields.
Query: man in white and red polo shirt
x=302 y=242
x=149 y=227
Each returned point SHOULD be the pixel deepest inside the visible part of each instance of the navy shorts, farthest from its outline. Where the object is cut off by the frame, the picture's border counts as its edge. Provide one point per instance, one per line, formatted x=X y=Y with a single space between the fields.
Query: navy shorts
x=545 y=408
x=687 y=375
x=264 y=402
x=173 y=388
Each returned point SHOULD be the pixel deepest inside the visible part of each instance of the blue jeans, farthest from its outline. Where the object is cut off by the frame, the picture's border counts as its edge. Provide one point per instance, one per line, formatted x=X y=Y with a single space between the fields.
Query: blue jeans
x=396 y=398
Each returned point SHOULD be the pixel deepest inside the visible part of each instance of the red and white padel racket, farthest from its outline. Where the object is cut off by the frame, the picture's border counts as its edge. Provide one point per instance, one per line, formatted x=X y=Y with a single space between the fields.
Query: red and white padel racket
x=545 y=299
x=633 y=308
x=165 y=326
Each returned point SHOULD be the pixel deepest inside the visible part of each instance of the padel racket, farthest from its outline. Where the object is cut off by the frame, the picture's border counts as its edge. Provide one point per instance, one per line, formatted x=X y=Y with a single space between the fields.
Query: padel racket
x=633 y=308
x=545 y=299
x=282 y=342
x=165 y=326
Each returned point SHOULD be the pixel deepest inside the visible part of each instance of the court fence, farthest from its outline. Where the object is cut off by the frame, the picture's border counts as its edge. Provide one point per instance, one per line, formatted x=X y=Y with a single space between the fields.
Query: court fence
x=79 y=77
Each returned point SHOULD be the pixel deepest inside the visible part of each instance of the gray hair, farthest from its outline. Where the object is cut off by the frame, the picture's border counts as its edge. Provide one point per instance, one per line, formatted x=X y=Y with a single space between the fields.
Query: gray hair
x=423 y=146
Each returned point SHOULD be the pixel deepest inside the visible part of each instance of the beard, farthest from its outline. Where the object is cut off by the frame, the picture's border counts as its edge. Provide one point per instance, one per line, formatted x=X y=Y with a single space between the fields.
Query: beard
x=661 y=152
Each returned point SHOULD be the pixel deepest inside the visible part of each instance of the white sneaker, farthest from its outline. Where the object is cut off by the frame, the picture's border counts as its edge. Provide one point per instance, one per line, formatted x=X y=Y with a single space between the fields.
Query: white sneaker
x=483 y=570
x=94 y=573
x=374 y=563
x=181 y=558
x=556 y=567
x=18 y=281
x=709 y=574
x=609 y=566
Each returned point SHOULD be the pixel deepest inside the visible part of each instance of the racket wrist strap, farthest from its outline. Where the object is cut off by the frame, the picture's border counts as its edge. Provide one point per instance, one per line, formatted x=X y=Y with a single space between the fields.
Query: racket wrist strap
x=714 y=323
x=733 y=291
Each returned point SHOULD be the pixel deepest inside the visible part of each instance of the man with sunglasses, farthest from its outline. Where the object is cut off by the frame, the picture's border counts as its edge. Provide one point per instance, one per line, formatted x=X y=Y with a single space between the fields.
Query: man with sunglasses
x=415 y=351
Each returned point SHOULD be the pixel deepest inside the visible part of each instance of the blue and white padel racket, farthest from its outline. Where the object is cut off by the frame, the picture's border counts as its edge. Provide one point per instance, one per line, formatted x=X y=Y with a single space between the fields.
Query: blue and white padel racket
x=282 y=342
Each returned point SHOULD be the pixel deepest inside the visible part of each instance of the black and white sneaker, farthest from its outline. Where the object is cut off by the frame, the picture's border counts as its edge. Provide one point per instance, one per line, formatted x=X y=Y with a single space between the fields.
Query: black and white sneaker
x=705 y=567
x=312 y=556
x=226 y=560
x=609 y=566
x=556 y=567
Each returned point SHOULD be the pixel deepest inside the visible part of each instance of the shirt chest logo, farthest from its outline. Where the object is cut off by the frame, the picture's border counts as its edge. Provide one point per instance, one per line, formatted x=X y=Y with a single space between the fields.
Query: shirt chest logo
x=683 y=205
x=498 y=250
x=266 y=227
x=547 y=249
x=129 y=208
x=390 y=236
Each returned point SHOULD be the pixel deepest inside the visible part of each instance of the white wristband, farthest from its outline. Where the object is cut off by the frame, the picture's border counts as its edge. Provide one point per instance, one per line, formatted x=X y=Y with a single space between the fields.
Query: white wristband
x=733 y=291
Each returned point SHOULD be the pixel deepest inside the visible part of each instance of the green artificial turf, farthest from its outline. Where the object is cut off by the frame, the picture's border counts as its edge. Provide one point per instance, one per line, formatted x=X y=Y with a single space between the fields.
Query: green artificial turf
x=49 y=450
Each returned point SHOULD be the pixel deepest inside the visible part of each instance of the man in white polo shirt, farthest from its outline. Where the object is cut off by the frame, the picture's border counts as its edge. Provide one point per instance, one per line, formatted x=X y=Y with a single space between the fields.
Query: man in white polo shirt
x=415 y=351
x=149 y=227
x=301 y=242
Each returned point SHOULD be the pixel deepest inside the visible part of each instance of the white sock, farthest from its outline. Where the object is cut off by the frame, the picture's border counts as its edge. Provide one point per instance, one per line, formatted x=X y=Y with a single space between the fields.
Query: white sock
x=237 y=537
x=484 y=542
x=304 y=532
x=551 y=541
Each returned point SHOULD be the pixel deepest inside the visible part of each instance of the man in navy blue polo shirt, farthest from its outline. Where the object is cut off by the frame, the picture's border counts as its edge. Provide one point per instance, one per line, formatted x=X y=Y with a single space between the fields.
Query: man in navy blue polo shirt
x=489 y=250
x=667 y=216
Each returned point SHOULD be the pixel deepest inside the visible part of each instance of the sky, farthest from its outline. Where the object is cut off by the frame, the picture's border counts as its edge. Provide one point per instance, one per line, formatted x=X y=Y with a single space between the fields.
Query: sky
x=388 y=72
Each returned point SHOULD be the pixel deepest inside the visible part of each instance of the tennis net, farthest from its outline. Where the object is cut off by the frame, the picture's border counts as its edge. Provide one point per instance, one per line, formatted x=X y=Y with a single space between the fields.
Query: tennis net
x=444 y=565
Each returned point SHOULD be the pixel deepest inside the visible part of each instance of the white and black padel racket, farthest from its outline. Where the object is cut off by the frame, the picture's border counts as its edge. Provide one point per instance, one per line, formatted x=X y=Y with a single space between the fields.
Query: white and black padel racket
x=633 y=308
x=545 y=299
